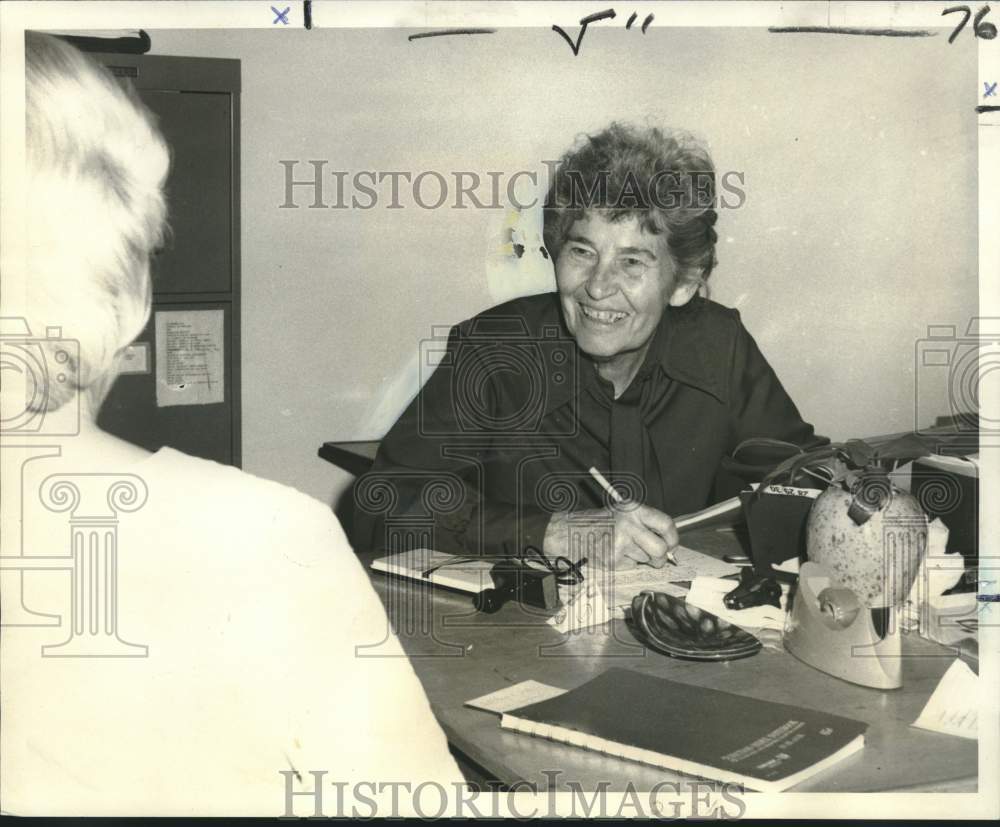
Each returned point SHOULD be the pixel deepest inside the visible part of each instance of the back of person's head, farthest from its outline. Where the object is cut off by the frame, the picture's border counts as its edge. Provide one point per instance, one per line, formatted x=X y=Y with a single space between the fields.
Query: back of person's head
x=96 y=165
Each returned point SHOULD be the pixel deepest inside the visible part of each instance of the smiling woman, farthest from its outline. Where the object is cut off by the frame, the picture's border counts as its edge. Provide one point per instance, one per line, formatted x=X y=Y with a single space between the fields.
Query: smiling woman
x=626 y=368
x=615 y=280
x=629 y=221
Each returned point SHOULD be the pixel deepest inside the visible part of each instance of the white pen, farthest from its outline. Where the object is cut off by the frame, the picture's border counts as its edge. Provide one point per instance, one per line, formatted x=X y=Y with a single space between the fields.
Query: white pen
x=607 y=486
x=618 y=498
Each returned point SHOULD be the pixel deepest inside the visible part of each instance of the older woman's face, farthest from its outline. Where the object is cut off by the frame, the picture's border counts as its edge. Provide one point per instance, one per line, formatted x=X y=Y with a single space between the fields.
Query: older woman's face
x=614 y=279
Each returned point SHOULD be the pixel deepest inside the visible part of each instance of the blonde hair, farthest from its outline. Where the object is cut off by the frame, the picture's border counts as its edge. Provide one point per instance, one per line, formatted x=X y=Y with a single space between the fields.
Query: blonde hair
x=96 y=167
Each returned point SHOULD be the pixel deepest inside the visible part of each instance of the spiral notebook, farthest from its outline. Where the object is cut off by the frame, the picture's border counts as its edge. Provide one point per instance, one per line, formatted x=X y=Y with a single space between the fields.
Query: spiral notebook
x=762 y=745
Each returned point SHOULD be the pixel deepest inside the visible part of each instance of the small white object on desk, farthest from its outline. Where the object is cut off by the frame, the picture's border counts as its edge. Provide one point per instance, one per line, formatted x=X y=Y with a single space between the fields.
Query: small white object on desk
x=515 y=696
x=584 y=608
x=954 y=707
x=789 y=566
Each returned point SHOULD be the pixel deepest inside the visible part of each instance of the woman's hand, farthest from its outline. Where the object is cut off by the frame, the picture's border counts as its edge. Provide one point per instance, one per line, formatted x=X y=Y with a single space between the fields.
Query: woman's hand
x=628 y=531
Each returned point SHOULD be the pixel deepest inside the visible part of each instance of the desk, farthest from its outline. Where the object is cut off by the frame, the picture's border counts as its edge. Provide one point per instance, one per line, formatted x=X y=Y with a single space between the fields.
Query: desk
x=357 y=457
x=469 y=655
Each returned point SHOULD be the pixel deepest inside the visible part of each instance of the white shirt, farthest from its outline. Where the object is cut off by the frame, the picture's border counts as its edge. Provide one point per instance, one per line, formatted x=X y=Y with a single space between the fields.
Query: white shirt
x=251 y=603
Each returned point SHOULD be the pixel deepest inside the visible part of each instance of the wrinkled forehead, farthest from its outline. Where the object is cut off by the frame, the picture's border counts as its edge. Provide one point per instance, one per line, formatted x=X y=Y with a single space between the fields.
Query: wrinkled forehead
x=636 y=225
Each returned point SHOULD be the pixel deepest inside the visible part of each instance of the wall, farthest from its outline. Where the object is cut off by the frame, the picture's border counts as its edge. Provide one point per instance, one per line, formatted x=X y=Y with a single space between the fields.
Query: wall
x=858 y=230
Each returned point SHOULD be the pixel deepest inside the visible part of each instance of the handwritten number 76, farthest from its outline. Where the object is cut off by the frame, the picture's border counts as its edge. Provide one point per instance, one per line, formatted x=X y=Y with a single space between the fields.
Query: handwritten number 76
x=987 y=31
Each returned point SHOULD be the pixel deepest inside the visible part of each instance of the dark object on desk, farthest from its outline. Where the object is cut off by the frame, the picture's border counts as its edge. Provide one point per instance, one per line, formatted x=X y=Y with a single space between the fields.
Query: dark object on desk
x=753 y=590
x=752 y=460
x=669 y=625
x=762 y=745
x=967 y=583
x=776 y=522
x=516 y=580
x=778 y=510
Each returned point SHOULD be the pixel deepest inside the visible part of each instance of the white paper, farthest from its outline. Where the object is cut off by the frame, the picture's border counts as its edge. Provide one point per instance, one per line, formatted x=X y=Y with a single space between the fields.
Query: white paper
x=584 y=608
x=707 y=593
x=953 y=708
x=939 y=617
x=134 y=359
x=516 y=696
x=625 y=583
x=190 y=349
x=789 y=566
x=467 y=575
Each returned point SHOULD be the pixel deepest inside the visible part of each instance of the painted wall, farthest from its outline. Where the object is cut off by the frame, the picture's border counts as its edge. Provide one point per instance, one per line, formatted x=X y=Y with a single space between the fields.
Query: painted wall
x=857 y=232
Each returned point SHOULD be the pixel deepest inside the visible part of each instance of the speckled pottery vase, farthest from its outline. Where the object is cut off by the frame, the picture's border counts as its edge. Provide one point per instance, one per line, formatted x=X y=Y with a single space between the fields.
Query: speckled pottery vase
x=878 y=559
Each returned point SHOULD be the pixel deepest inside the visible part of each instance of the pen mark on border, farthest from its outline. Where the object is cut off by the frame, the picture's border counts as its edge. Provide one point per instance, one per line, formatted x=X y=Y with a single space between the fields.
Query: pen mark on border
x=607 y=14
x=307 y=14
x=445 y=32
x=849 y=30
x=982 y=109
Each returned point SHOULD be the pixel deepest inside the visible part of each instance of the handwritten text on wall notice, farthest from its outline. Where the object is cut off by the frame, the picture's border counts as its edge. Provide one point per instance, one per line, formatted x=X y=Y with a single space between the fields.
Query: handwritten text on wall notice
x=189 y=357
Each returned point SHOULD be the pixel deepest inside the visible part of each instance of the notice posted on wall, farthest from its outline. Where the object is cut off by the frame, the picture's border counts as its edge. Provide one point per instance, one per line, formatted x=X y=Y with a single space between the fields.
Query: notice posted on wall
x=189 y=357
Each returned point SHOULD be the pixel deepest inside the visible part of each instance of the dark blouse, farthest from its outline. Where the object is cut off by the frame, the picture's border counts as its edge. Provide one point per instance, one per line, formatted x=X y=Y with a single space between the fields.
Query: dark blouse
x=503 y=433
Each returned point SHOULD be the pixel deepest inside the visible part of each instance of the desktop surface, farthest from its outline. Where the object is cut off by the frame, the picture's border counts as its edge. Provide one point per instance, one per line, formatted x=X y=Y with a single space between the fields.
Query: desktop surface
x=460 y=654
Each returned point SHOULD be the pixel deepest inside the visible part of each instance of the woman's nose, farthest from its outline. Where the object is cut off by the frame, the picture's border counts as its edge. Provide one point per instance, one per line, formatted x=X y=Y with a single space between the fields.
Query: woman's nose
x=602 y=282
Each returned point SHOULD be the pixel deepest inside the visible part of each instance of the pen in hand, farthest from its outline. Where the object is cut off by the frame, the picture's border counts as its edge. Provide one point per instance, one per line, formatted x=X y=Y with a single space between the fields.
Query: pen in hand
x=618 y=498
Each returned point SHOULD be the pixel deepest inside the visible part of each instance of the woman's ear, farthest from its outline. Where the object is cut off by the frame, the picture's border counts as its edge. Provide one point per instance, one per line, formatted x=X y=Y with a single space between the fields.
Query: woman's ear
x=684 y=291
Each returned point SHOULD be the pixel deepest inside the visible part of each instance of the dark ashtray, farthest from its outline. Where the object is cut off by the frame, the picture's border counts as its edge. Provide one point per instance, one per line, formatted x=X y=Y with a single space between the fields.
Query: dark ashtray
x=669 y=625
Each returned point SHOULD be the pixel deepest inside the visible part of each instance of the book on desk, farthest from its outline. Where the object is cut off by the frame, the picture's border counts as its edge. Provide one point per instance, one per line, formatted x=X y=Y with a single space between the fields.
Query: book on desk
x=760 y=745
x=438 y=568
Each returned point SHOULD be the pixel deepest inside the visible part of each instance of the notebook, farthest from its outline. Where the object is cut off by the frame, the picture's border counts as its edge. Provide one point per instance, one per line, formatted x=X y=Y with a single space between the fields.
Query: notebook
x=762 y=745
x=465 y=574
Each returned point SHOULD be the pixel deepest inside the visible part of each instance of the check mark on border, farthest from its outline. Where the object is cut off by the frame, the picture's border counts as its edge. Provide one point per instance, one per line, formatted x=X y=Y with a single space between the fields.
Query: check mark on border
x=607 y=14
